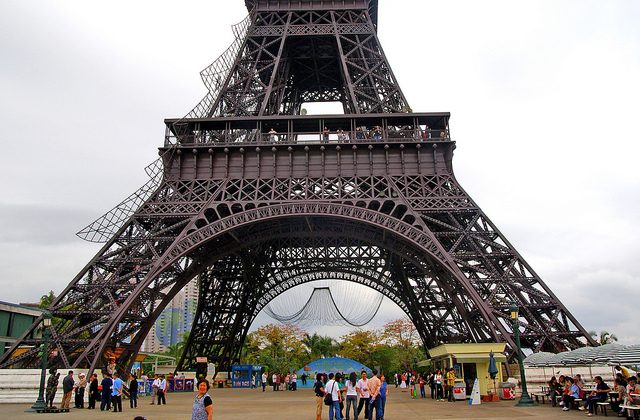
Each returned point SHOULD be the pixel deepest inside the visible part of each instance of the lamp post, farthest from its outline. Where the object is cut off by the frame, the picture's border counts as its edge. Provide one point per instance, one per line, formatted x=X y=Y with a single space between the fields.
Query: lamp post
x=525 y=399
x=40 y=403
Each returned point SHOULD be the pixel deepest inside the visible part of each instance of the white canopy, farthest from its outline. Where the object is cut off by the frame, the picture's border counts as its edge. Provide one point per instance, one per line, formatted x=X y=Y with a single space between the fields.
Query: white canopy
x=608 y=353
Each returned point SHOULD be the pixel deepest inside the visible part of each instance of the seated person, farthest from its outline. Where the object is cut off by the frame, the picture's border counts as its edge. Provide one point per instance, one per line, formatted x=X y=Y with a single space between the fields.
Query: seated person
x=578 y=381
x=570 y=395
x=555 y=389
x=621 y=389
x=598 y=395
x=633 y=388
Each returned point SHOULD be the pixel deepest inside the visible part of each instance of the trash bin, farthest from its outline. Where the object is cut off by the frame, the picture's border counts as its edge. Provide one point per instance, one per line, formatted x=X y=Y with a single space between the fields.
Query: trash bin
x=460 y=391
x=220 y=384
x=508 y=391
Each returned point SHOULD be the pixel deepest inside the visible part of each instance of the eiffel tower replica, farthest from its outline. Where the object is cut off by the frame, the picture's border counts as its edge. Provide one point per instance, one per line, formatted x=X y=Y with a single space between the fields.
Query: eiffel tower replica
x=254 y=197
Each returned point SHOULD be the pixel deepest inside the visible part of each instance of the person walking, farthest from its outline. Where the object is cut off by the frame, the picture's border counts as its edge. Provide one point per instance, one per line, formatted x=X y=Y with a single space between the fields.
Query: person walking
x=264 y=381
x=318 y=389
x=383 y=396
x=432 y=384
x=203 y=404
x=105 y=398
x=162 y=391
x=352 y=396
x=438 y=381
x=375 y=400
x=116 y=393
x=67 y=388
x=93 y=391
x=79 y=388
x=154 y=388
x=362 y=388
x=133 y=391
x=333 y=388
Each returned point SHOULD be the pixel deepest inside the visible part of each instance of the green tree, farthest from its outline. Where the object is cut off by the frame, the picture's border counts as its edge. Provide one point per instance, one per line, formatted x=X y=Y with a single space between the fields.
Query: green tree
x=320 y=346
x=176 y=350
x=47 y=300
x=360 y=345
x=403 y=336
x=279 y=348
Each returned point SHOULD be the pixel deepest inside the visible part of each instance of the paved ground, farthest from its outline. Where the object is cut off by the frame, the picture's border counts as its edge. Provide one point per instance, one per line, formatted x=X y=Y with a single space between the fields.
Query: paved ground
x=243 y=404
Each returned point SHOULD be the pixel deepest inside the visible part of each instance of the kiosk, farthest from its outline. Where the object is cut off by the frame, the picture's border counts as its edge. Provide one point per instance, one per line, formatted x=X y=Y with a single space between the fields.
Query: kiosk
x=470 y=361
x=241 y=375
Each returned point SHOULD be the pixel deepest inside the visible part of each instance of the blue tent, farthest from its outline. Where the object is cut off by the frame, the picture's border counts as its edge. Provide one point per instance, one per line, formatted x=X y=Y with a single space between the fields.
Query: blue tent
x=330 y=365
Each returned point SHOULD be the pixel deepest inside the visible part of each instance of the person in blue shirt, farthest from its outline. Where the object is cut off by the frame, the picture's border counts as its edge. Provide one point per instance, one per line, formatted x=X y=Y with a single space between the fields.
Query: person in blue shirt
x=383 y=395
x=571 y=395
x=116 y=393
x=105 y=400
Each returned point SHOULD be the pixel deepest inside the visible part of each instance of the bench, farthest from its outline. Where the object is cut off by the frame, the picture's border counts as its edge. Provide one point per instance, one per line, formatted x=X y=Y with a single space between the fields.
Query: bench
x=52 y=410
x=603 y=408
x=537 y=396
x=635 y=409
x=555 y=400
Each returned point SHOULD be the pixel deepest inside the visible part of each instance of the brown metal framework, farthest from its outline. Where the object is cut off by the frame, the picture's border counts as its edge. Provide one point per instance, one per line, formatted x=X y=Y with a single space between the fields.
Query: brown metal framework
x=254 y=199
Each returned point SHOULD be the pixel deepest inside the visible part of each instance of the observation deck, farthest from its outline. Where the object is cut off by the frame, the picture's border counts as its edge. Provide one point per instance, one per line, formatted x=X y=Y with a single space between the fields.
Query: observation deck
x=299 y=5
x=300 y=146
x=308 y=129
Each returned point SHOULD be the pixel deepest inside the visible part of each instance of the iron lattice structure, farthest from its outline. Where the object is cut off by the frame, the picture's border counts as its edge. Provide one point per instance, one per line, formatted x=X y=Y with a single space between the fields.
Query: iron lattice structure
x=254 y=199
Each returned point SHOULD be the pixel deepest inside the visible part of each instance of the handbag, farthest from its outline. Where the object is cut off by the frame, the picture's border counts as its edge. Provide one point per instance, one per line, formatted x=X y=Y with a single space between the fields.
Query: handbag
x=328 y=399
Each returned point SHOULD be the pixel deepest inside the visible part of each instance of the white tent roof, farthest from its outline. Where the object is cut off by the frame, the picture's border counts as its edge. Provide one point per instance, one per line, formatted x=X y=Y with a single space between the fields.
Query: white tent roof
x=608 y=353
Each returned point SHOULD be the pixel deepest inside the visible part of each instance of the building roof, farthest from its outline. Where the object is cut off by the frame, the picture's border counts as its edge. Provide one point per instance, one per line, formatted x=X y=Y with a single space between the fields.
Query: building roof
x=469 y=350
x=20 y=309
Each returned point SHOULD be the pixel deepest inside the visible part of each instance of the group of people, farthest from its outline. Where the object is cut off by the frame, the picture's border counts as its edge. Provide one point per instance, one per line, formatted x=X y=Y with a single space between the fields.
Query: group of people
x=353 y=393
x=281 y=382
x=441 y=383
x=625 y=391
x=109 y=392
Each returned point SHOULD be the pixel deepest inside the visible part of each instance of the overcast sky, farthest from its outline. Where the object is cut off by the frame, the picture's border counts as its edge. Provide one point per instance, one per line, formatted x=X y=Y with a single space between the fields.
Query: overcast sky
x=543 y=96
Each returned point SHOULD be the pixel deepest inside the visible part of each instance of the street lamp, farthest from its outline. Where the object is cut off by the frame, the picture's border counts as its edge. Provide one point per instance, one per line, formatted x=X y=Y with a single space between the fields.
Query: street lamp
x=525 y=399
x=40 y=403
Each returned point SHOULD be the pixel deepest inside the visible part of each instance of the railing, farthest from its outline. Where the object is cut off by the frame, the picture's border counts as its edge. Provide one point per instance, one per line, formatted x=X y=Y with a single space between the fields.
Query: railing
x=240 y=137
x=297 y=129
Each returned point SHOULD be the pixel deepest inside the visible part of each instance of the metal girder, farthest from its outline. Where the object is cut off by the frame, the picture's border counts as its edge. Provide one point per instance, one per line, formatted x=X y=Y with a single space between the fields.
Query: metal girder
x=292 y=56
x=382 y=209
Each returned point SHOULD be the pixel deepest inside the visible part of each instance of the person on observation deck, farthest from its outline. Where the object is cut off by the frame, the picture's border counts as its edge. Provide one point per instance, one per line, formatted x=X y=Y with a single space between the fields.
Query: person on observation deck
x=325 y=135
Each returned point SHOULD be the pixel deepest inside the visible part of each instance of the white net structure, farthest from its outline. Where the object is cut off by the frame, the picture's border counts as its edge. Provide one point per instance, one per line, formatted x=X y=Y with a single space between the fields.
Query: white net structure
x=326 y=303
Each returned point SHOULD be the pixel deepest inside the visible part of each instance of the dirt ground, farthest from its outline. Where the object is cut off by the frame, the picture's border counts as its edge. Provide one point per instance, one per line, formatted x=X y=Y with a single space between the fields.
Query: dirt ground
x=245 y=404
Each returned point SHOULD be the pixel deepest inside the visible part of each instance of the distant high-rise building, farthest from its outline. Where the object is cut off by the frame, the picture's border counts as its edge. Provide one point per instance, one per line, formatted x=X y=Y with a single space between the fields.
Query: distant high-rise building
x=175 y=320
